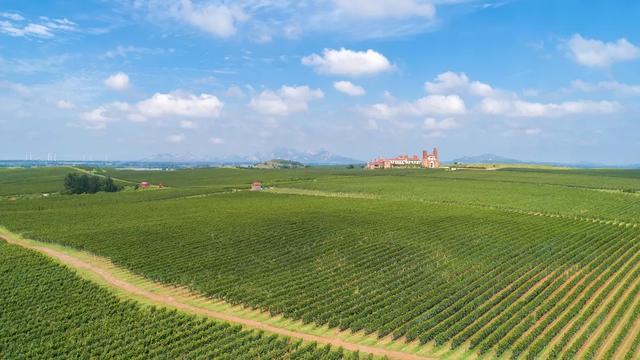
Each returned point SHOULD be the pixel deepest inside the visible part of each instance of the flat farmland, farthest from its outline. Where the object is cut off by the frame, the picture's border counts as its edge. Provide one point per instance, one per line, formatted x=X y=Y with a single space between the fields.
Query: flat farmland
x=468 y=264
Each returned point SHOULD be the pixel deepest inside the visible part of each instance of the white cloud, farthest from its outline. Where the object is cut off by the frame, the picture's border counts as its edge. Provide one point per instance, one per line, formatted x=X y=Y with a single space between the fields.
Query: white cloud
x=45 y=29
x=12 y=16
x=348 y=62
x=440 y=104
x=175 y=138
x=64 y=104
x=349 y=88
x=181 y=104
x=158 y=106
x=216 y=141
x=285 y=101
x=435 y=125
x=428 y=105
x=98 y=118
x=124 y=51
x=446 y=92
x=379 y=9
x=217 y=19
x=520 y=108
x=532 y=131
x=95 y=119
x=596 y=53
x=118 y=81
x=450 y=83
x=617 y=87
x=35 y=30
x=135 y=117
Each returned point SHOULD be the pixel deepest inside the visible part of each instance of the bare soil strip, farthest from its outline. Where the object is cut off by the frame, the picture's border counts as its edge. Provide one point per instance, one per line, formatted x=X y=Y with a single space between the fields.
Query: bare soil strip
x=577 y=335
x=626 y=343
x=172 y=302
x=600 y=328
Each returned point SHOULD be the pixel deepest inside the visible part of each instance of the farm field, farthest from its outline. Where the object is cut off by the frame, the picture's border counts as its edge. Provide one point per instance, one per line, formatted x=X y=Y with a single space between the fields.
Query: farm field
x=29 y=181
x=48 y=312
x=512 y=263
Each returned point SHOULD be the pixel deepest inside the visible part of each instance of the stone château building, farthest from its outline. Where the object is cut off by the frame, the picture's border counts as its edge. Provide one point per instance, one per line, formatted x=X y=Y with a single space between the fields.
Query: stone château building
x=428 y=161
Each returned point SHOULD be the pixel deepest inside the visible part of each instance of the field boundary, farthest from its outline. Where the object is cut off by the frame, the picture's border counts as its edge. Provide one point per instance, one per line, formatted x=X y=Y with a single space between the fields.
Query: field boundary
x=128 y=285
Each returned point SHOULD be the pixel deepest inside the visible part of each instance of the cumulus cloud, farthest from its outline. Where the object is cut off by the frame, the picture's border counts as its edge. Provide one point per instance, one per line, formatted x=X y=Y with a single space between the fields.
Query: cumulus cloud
x=217 y=19
x=349 y=88
x=118 y=81
x=449 y=92
x=163 y=106
x=380 y=9
x=216 y=141
x=450 y=82
x=596 y=53
x=98 y=118
x=428 y=105
x=181 y=104
x=348 y=62
x=287 y=100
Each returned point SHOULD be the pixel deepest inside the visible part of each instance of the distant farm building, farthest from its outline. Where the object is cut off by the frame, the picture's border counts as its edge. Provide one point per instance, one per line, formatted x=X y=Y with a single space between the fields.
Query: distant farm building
x=256 y=185
x=144 y=185
x=428 y=161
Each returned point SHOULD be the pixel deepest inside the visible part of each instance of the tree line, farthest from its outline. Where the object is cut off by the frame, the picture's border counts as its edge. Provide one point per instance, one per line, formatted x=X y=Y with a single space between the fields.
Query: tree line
x=75 y=183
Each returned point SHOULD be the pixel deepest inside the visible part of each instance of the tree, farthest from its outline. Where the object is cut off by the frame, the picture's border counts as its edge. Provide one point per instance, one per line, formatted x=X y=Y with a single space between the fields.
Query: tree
x=110 y=186
x=75 y=183
x=72 y=183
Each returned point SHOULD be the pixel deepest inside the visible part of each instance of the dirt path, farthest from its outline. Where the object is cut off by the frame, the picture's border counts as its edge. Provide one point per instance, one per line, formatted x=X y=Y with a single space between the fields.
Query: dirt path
x=170 y=301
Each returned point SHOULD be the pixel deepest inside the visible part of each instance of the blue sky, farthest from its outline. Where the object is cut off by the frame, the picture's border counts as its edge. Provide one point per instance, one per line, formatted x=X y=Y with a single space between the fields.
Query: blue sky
x=541 y=80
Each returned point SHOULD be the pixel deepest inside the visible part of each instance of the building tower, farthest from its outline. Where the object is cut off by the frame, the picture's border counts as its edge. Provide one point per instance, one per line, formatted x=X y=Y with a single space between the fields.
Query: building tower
x=435 y=155
x=425 y=159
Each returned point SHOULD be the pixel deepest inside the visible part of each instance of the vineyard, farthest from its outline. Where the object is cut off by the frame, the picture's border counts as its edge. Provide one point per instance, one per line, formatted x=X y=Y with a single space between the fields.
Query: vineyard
x=29 y=181
x=513 y=264
x=48 y=312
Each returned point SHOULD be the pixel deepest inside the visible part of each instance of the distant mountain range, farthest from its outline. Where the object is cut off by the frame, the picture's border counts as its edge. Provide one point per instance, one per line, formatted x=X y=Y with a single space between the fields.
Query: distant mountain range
x=320 y=157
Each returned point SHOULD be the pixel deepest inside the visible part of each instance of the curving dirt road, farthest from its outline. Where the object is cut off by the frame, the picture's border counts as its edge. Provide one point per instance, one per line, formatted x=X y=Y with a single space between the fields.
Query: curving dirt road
x=172 y=302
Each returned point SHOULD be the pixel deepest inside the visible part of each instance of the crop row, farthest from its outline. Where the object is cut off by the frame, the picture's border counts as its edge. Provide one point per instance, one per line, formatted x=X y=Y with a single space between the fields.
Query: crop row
x=48 y=312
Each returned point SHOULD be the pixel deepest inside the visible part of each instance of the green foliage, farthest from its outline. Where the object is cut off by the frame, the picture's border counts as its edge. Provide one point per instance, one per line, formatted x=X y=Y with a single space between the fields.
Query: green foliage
x=75 y=183
x=48 y=312
x=32 y=181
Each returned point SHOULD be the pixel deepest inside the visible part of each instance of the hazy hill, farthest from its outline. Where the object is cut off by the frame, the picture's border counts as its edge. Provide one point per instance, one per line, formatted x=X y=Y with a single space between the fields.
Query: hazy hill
x=319 y=157
x=279 y=164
